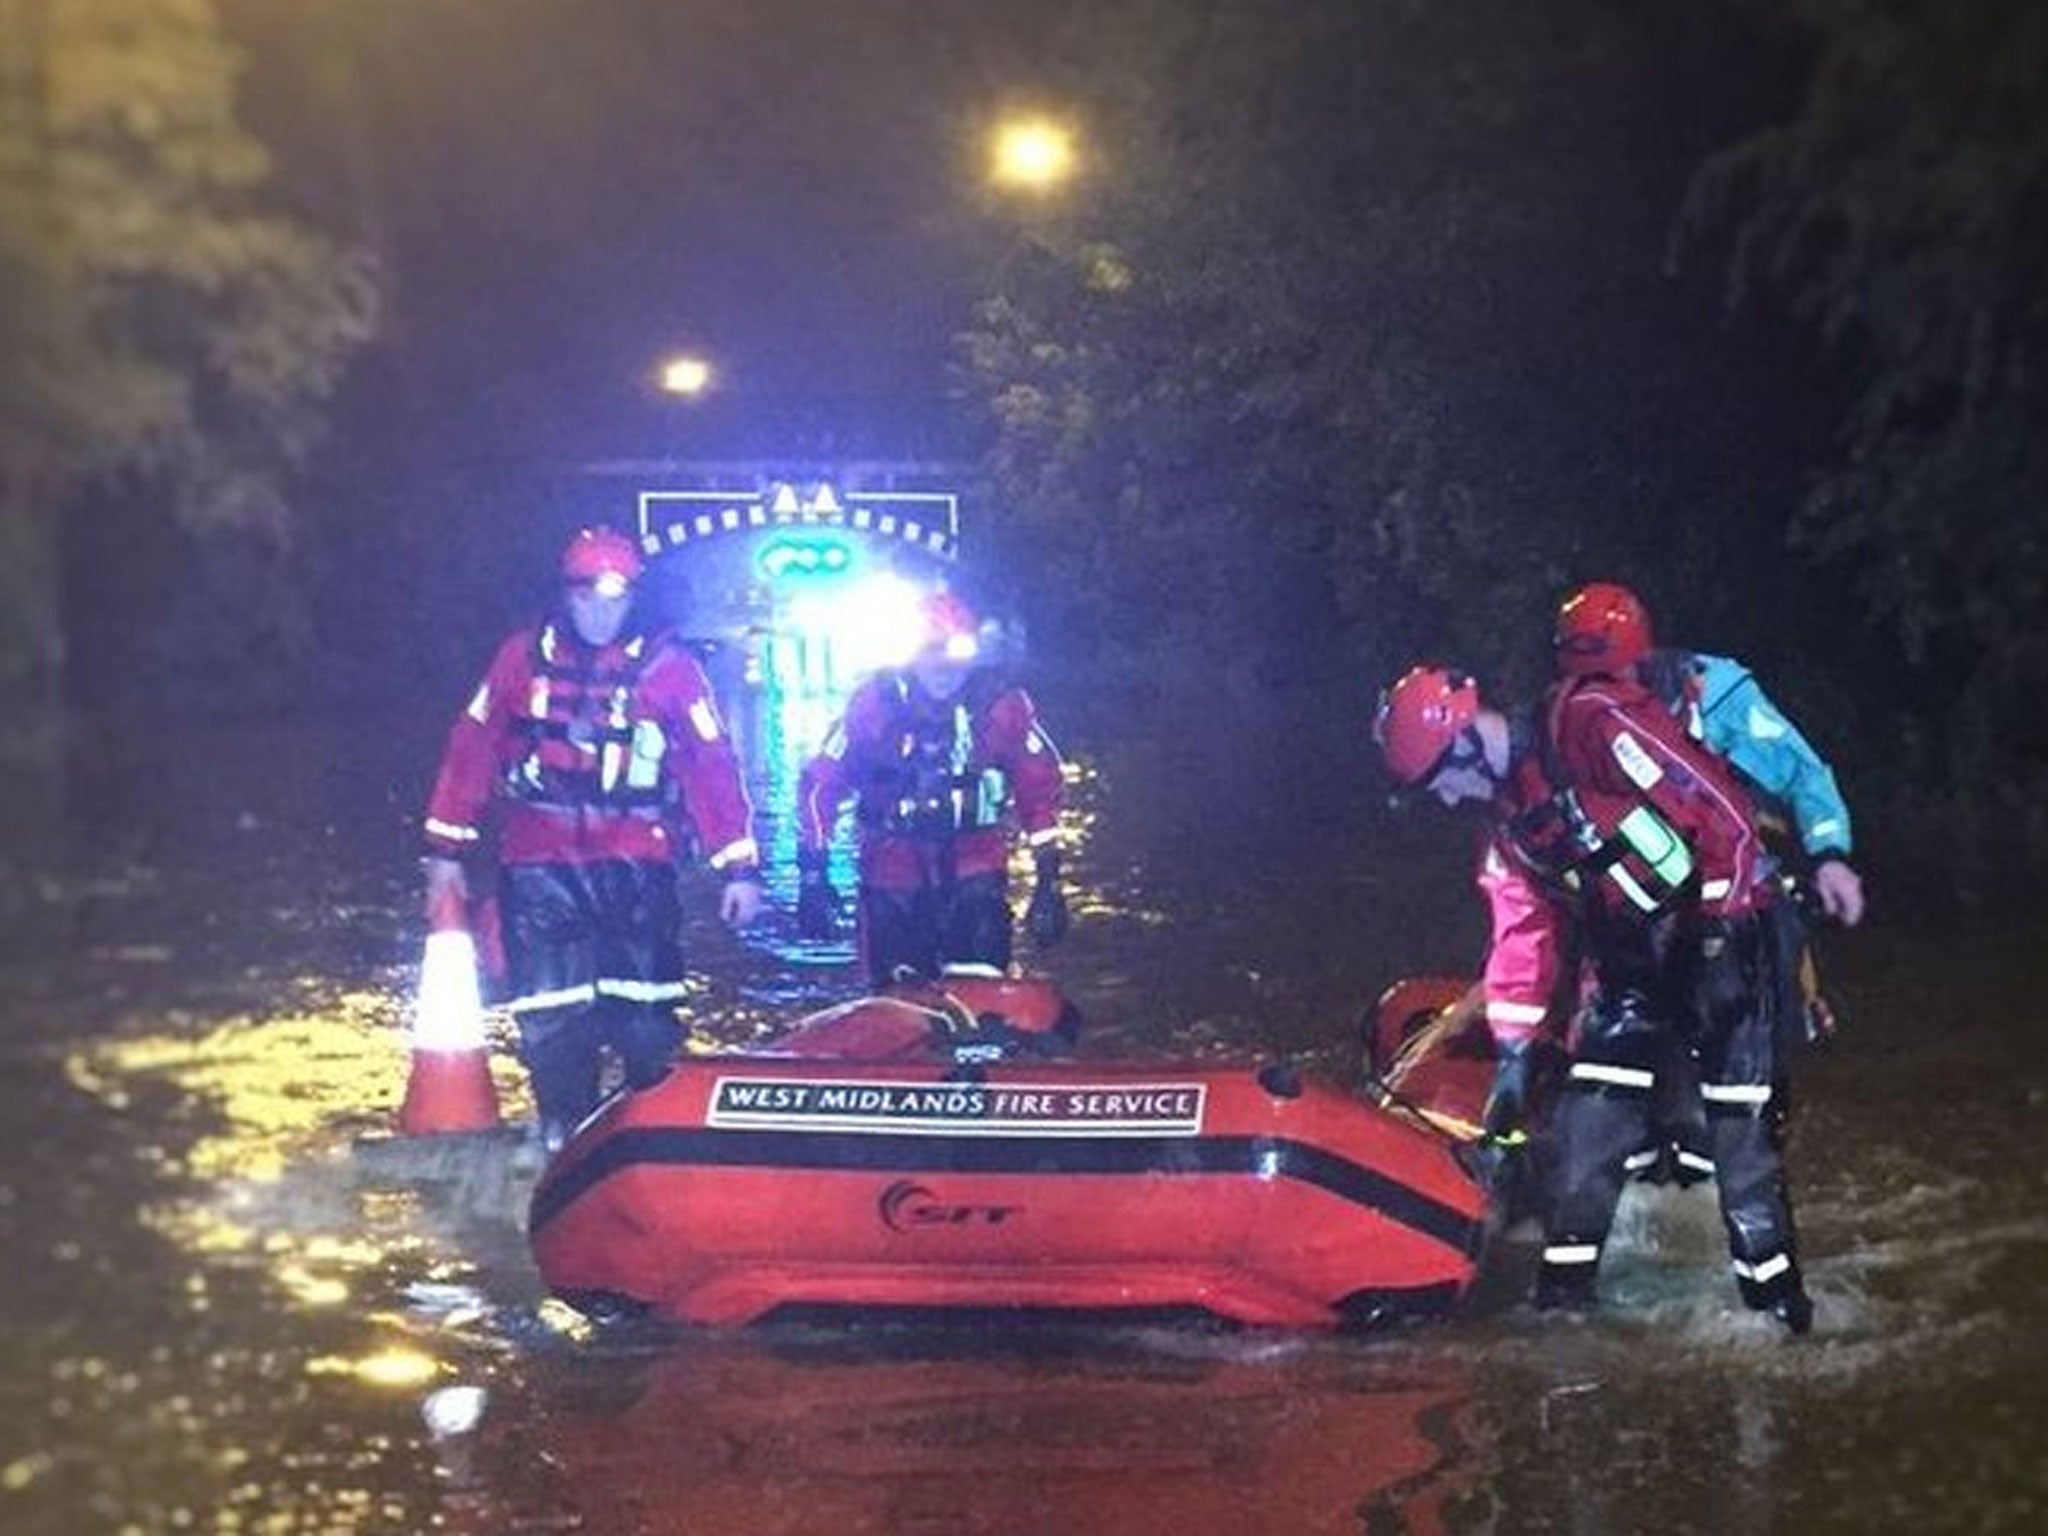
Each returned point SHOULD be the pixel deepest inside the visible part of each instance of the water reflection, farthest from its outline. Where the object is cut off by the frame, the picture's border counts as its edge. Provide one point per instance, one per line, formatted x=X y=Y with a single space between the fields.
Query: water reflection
x=1085 y=1432
x=215 y=1322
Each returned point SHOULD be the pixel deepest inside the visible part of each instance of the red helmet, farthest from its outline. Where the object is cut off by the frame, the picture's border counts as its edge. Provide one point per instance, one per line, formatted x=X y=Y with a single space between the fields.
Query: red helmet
x=945 y=622
x=1602 y=629
x=1421 y=717
x=602 y=557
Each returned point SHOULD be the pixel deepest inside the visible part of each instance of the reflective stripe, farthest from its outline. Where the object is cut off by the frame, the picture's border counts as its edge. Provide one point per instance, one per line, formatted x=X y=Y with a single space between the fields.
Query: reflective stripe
x=450 y=831
x=1637 y=1160
x=1736 y=1093
x=1635 y=762
x=480 y=706
x=1043 y=836
x=740 y=851
x=1504 y=1012
x=1626 y=1077
x=1769 y=1269
x=1643 y=900
x=1572 y=1253
x=1821 y=829
x=561 y=997
x=1715 y=890
x=640 y=991
x=1694 y=1160
x=704 y=719
x=971 y=968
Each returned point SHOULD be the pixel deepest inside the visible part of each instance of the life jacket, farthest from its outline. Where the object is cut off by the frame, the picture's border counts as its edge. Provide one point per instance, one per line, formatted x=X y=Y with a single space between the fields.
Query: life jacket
x=586 y=739
x=925 y=779
x=1617 y=849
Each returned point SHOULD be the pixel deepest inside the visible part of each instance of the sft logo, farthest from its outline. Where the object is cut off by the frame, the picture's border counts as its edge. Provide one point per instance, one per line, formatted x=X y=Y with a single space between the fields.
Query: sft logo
x=908 y=1207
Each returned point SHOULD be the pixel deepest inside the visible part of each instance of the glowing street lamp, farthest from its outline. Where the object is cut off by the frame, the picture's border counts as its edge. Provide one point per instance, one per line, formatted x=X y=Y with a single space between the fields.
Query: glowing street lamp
x=685 y=374
x=1031 y=155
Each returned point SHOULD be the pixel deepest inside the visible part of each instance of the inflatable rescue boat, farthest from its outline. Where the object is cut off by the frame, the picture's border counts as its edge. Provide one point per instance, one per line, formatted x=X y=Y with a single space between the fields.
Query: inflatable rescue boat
x=944 y=1148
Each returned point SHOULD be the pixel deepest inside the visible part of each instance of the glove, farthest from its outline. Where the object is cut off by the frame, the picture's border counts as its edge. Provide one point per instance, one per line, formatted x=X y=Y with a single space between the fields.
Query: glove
x=740 y=902
x=1840 y=890
x=817 y=903
x=1507 y=1104
x=1046 y=917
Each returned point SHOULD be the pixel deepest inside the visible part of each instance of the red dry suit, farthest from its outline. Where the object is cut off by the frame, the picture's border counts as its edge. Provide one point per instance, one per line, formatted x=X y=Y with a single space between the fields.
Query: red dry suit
x=941 y=785
x=1612 y=811
x=585 y=752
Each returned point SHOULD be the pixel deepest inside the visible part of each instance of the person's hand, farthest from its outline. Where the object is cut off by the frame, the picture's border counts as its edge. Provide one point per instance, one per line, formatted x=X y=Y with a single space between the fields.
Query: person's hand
x=1047 y=916
x=447 y=894
x=817 y=903
x=741 y=900
x=1507 y=1105
x=1840 y=890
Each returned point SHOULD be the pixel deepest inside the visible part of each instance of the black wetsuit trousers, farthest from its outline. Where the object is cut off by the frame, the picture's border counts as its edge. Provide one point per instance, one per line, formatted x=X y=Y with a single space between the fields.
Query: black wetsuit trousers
x=595 y=960
x=950 y=922
x=1713 y=996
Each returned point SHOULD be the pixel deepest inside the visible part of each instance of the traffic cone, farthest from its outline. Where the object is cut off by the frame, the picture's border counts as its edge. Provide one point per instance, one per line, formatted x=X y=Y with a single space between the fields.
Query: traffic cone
x=450 y=1087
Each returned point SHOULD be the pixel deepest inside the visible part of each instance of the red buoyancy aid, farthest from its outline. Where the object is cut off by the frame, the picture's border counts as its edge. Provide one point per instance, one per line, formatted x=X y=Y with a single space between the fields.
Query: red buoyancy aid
x=589 y=748
x=962 y=771
x=1647 y=816
x=589 y=738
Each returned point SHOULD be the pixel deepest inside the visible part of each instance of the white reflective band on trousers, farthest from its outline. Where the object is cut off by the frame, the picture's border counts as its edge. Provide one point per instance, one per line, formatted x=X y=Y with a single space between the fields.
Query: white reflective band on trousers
x=1695 y=1162
x=1572 y=1253
x=640 y=991
x=1763 y=1269
x=1715 y=890
x=1501 y=1011
x=1636 y=1160
x=627 y=989
x=1736 y=1093
x=560 y=997
x=1624 y=1077
x=451 y=831
x=449 y=1014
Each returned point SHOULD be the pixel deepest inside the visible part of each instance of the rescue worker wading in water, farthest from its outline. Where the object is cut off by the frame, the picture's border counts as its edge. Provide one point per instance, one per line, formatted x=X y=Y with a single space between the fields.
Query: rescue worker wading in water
x=1603 y=629
x=946 y=764
x=1615 y=837
x=587 y=736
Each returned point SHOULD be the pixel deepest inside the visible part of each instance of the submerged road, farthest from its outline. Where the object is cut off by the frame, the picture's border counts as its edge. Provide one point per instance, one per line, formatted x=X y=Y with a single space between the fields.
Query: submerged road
x=215 y=1320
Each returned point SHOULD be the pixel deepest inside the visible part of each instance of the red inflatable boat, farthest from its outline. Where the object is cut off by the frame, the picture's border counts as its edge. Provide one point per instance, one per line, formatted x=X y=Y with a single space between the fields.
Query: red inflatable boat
x=943 y=1149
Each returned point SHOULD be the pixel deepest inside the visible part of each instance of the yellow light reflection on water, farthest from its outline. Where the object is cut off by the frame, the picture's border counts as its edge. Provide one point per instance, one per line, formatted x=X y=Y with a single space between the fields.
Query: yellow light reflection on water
x=396 y=1367
x=269 y=1102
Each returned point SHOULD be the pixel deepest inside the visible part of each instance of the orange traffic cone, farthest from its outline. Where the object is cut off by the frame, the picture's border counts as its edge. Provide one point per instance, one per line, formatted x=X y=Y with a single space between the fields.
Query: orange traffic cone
x=450 y=1087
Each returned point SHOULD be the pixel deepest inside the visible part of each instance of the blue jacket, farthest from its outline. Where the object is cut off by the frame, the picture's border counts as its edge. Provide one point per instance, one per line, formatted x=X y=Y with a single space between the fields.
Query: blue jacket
x=1724 y=707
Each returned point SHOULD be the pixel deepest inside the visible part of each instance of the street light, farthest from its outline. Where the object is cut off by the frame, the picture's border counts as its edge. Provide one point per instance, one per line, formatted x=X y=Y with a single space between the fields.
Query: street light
x=686 y=375
x=1031 y=155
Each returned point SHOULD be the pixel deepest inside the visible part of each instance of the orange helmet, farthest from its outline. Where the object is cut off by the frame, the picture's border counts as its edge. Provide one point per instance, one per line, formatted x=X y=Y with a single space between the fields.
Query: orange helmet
x=1421 y=718
x=601 y=557
x=945 y=622
x=1602 y=629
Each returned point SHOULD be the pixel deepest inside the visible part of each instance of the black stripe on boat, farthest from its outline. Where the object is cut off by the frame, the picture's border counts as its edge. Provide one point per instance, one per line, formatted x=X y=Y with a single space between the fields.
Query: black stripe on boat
x=863 y=1152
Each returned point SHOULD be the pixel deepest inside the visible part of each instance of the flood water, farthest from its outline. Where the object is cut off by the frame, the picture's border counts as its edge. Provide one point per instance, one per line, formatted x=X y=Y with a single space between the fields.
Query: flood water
x=219 y=1317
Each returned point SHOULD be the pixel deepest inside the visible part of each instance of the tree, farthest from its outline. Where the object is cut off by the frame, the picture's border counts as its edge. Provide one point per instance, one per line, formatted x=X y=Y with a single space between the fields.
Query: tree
x=161 y=330
x=1362 y=329
x=1902 y=210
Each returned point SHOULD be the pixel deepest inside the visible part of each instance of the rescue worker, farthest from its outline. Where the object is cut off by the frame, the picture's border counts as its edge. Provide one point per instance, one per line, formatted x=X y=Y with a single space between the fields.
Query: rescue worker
x=1616 y=839
x=1603 y=629
x=589 y=735
x=947 y=764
